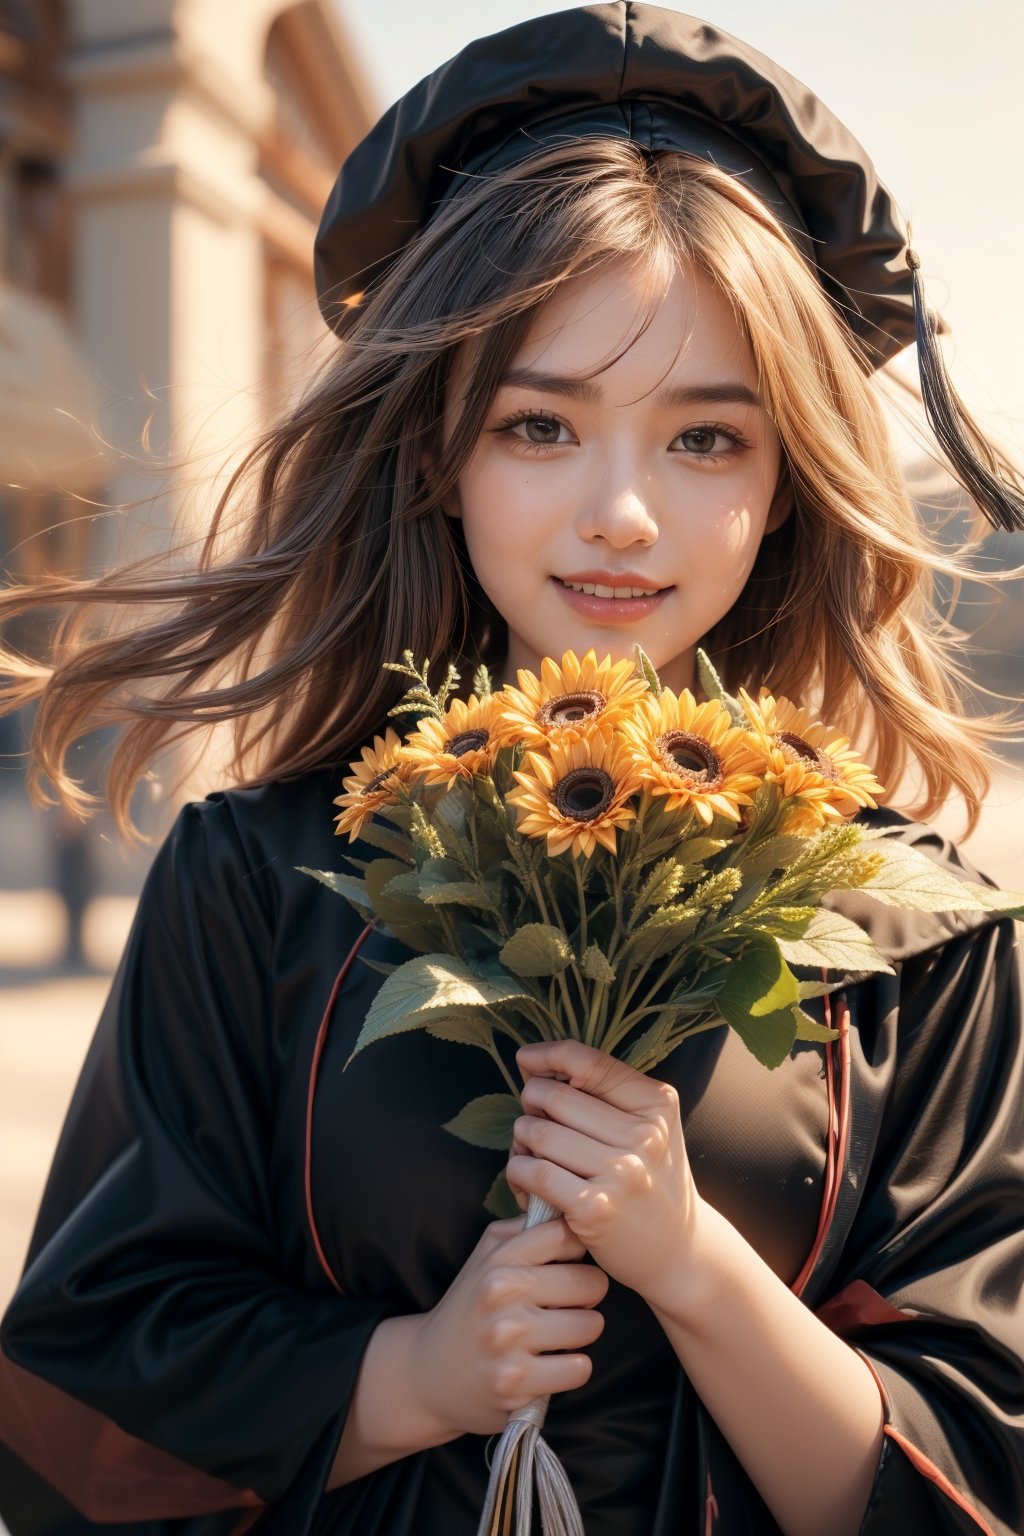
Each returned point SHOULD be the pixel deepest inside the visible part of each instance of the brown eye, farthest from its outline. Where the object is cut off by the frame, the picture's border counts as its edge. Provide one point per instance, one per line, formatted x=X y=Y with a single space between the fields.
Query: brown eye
x=541 y=429
x=699 y=440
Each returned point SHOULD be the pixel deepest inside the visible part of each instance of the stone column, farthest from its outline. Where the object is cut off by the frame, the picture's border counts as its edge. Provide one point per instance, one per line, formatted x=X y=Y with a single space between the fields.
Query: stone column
x=169 y=101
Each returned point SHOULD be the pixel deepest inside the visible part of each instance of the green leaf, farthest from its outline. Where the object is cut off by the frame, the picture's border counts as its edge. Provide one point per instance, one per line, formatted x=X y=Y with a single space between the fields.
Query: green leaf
x=647 y=1050
x=834 y=942
x=697 y=993
x=695 y=850
x=380 y=873
x=348 y=886
x=437 y=888
x=382 y=967
x=663 y=931
x=809 y=1029
x=501 y=1202
x=596 y=966
x=404 y=887
x=487 y=1121
x=758 y=999
x=463 y=1028
x=645 y=669
x=409 y=996
x=394 y=889
x=537 y=950
x=809 y=989
x=451 y=809
x=776 y=853
x=396 y=900
x=715 y=689
x=906 y=878
x=388 y=839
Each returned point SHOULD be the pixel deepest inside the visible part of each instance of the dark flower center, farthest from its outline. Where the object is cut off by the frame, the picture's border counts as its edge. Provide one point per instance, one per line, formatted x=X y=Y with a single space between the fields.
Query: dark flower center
x=797 y=750
x=570 y=708
x=584 y=793
x=466 y=741
x=692 y=758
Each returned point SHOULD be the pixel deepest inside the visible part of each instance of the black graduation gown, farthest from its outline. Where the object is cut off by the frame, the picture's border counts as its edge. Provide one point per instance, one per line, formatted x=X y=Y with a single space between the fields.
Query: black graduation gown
x=230 y=1215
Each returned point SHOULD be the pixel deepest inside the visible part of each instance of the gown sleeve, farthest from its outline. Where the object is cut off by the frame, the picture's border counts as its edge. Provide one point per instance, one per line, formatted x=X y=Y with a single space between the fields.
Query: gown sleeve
x=934 y=1299
x=156 y=1362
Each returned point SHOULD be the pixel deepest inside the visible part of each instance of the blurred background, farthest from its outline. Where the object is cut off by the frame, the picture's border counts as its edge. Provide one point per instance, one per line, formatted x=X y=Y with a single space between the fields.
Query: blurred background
x=162 y=168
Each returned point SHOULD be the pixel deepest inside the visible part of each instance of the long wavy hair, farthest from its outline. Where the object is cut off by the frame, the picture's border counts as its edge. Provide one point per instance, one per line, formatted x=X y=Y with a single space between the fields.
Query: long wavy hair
x=341 y=553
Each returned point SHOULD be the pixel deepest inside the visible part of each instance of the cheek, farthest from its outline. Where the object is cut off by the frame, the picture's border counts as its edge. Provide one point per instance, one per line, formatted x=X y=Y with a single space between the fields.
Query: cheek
x=731 y=520
x=504 y=519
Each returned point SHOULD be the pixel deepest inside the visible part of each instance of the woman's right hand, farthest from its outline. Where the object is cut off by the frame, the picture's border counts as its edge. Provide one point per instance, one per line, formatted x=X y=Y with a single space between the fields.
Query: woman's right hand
x=486 y=1347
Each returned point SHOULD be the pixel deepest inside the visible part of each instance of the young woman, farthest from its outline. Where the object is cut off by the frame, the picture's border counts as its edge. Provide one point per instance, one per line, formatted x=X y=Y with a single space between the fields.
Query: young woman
x=611 y=288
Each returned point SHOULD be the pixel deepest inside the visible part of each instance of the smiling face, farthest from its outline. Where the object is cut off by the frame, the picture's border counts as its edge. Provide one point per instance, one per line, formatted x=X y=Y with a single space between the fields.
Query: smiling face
x=656 y=476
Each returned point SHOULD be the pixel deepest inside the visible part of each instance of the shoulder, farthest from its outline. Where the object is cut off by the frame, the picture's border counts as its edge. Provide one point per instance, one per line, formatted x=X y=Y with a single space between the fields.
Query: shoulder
x=245 y=844
x=257 y=820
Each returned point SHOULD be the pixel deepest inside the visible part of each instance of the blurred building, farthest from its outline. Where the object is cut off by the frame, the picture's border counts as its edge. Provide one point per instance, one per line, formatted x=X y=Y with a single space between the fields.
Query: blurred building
x=163 y=164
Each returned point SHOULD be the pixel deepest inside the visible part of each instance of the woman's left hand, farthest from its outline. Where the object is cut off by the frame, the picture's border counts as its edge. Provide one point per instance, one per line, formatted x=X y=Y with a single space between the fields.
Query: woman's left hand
x=606 y=1149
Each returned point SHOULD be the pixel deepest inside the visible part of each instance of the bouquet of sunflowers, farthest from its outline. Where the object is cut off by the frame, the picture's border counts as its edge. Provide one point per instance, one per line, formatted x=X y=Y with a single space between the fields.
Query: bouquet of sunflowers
x=592 y=855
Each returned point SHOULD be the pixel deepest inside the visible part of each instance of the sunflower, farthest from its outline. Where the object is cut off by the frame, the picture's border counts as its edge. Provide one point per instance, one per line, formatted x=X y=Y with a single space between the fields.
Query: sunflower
x=694 y=754
x=457 y=747
x=569 y=700
x=576 y=793
x=812 y=764
x=373 y=783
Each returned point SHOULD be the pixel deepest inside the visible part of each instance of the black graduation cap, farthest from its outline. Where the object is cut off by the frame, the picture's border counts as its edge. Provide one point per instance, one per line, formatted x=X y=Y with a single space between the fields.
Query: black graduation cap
x=665 y=81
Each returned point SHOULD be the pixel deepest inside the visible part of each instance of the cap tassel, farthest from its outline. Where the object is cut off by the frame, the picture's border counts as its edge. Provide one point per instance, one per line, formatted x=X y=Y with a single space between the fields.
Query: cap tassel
x=983 y=471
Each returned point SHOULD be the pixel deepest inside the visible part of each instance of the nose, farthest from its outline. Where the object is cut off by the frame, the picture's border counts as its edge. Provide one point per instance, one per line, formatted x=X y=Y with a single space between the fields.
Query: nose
x=618 y=509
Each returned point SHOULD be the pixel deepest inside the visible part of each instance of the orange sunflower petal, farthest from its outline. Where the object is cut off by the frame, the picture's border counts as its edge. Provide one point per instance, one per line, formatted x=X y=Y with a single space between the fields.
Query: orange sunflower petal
x=695 y=756
x=813 y=764
x=372 y=783
x=460 y=746
x=569 y=700
x=577 y=795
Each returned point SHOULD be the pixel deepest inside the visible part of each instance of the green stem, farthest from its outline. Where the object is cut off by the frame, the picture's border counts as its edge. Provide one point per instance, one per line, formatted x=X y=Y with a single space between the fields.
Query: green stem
x=496 y=1057
x=628 y=993
x=597 y=997
x=561 y=923
x=570 y=1013
x=582 y=899
x=545 y=1018
x=650 y=1061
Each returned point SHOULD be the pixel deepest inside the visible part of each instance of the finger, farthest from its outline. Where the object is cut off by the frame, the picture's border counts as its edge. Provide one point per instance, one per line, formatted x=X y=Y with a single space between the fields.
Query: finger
x=537 y=1176
x=507 y=1227
x=559 y=1373
x=566 y=1285
x=545 y=1243
x=576 y=1152
x=589 y=1069
x=543 y=1097
x=561 y=1328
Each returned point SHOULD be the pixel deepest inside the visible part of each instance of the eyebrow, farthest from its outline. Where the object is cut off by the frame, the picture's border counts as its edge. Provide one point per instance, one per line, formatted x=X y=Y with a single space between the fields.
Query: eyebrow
x=728 y=392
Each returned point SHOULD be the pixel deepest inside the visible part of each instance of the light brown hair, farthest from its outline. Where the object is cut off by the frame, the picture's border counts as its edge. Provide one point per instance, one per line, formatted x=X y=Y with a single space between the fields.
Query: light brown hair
x=345 y=557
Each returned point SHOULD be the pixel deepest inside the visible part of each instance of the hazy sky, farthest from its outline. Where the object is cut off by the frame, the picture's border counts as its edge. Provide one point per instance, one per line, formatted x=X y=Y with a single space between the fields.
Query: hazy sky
x=933 y=89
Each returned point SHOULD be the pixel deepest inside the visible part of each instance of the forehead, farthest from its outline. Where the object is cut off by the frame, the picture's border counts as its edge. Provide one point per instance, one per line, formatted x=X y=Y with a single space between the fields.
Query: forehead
x=627 y=321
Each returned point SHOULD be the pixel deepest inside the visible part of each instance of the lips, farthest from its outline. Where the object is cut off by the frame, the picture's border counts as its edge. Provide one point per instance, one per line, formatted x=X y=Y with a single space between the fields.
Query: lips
x=618 y=585
x=611 y=609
